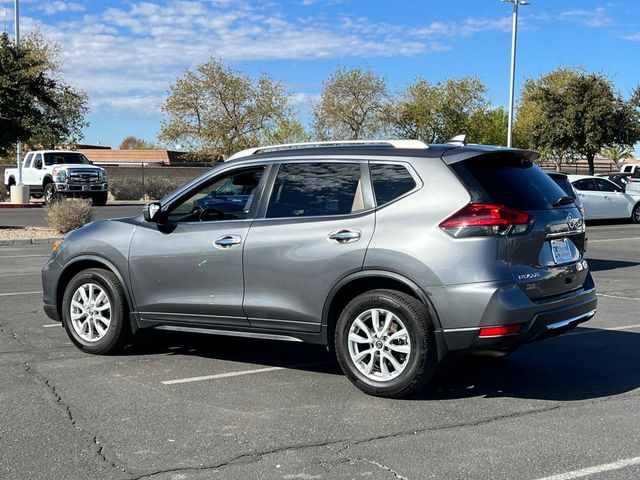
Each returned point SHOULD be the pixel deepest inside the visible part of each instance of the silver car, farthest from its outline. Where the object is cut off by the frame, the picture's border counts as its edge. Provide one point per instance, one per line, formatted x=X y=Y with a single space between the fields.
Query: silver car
x=394 y=253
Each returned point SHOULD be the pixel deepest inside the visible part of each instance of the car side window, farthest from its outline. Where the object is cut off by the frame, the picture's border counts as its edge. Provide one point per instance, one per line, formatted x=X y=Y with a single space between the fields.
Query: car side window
x=585 y=184
x=37 y=161
x=606 y=186
x=26 y=163
x=227 y=197
x=390 y=181
x=316 y=189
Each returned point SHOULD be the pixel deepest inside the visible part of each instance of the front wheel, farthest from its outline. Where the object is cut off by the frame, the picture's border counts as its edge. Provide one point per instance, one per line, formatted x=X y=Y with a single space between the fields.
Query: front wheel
x=635 y=214
x=50 y=193
x=94 y=312
x=385 y=343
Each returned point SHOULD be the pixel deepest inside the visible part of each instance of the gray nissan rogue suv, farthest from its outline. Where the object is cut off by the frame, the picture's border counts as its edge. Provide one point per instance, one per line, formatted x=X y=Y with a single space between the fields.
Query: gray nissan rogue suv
x=395 y=253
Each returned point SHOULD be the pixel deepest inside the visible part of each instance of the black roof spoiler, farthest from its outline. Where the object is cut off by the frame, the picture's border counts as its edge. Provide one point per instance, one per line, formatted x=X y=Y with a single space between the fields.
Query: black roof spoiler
x=456 y=155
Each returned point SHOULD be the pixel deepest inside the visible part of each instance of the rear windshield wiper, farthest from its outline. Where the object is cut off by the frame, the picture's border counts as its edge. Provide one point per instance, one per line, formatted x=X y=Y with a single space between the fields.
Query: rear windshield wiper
x=566 y=200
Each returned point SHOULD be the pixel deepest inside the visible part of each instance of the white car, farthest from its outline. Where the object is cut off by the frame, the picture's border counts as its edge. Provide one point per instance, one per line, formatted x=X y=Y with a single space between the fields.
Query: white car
x=58 y=173
x=603 y=199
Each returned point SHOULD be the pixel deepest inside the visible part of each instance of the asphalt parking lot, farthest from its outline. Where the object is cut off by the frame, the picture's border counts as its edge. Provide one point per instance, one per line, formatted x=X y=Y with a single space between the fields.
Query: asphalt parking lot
x=195 y=407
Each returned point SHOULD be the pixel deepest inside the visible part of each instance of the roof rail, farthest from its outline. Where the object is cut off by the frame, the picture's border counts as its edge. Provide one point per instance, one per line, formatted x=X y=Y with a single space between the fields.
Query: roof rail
x=458 y=140
x=337 y=143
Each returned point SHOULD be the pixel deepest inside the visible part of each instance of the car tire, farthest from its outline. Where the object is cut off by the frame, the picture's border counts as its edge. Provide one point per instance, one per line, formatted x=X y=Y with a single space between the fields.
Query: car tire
x=95 y=313
x=635 y=214
x=50 y=194
x=365 y=340
x=99 y=199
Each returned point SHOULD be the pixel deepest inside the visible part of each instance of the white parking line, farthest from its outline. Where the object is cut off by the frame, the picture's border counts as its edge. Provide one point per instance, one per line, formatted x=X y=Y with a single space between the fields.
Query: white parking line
x=612 y=329
x=52 y=325
x=239 y=373
x=613 y=240
x=617 y=296
x=605 y=467
x=18 y=274
x=23 y=256
x=18 y=293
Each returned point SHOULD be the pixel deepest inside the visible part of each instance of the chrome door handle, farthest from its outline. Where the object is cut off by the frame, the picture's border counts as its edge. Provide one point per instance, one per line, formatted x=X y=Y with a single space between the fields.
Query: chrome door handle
x=344 y=236
x=227 y=241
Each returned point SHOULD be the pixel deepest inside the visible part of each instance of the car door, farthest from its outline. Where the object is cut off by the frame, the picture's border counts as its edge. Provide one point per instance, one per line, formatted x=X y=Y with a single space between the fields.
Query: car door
x=592 y=200
x=35 y=171
x=188 y=268
x=617 y=204
x=316 y=226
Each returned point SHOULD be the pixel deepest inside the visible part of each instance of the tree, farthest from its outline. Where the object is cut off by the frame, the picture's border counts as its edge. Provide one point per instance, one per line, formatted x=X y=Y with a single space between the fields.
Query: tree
x=216 y=111
x=35 y=105
x=617 y=153
x=135 y=143
x=289 y=131
x=438 y=112
x=571 y=111
x=351 y=105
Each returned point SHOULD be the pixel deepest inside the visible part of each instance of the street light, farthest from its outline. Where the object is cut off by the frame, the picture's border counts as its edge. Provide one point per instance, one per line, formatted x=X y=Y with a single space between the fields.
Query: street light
x=19 y=192
x=514 y=34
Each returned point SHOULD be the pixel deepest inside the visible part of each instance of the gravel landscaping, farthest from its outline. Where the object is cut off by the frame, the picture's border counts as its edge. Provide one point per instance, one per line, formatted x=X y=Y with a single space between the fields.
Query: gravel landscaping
x=25 y=233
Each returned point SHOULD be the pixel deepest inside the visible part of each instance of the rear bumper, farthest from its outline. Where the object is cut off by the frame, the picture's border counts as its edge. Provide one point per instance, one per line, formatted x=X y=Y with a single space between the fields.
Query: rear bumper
x=506 y=306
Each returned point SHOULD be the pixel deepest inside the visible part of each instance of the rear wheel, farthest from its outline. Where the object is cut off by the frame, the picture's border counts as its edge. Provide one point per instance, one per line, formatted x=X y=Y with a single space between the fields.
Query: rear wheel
x=50 y=193
x=385 y=343
x=635 y=214
x=94 y=312
x=99 y=199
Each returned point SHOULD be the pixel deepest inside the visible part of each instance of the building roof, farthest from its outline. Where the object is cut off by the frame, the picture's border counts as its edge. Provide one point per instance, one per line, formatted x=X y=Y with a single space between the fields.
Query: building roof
x=120 y=157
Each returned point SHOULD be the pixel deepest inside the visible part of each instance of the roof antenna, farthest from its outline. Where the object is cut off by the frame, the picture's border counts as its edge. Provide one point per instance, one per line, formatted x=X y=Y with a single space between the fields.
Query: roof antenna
x=458 y=139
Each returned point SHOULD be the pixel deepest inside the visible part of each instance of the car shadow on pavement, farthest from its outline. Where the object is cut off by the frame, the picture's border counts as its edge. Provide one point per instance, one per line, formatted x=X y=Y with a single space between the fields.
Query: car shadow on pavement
x=598 y=264
x=270 y=353
x=584 y=364
x=588 y=364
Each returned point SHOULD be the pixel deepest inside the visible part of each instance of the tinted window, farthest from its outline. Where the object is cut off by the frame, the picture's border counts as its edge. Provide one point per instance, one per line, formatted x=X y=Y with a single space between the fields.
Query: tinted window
x=585 y=184
x=313 y=189
x=636 y=173
x=564 y=183
x=37 y=161
x=390 y=182
x=606 y=185
x=58 y=158
x=228 y=197
x=509 y=181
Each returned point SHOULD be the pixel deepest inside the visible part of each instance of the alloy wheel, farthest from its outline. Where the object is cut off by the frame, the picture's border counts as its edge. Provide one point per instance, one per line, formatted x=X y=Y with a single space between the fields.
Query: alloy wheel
x=379 y=344
x=90 y=312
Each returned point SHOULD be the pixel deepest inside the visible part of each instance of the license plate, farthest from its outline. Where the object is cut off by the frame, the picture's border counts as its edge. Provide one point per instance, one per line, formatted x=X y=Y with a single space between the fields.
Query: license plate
x=560 y=250
x=86 y=188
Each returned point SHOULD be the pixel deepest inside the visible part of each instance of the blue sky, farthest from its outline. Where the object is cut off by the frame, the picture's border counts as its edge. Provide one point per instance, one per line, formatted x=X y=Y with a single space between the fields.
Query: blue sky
x=125 y=53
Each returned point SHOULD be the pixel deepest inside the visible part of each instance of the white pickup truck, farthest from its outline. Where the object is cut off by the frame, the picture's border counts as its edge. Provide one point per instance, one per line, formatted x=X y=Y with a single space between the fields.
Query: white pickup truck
x=58 y=173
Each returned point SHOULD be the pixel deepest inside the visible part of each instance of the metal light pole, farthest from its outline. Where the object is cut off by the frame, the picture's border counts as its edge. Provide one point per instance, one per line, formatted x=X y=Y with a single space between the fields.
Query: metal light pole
x=19 y=192
x=514 y=35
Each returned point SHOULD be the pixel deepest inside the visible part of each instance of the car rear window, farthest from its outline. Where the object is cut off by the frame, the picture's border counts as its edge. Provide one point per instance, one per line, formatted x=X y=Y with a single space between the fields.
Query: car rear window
x=564 y=183
x=390 y=181
x=509 y=181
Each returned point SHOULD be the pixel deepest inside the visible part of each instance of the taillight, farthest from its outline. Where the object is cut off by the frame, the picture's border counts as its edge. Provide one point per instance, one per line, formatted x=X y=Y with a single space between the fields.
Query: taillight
x=486 y=219
x=500 y=330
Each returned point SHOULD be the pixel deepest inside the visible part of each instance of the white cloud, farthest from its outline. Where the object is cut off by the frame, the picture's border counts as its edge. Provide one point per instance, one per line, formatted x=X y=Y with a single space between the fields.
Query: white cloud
x=51 y=8
x=126 y=57
x=633 y=36
x=590 y=18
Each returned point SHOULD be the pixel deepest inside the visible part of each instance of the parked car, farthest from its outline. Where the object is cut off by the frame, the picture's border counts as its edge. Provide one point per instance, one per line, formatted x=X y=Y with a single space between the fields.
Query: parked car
x=58 y=173
x=620 y=179
x=633 y=183
x=630 y=168
x=603 y=199
x=395 y=253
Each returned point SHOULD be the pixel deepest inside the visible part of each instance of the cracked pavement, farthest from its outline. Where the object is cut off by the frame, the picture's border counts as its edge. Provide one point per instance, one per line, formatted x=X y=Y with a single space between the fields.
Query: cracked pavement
x=551 y=407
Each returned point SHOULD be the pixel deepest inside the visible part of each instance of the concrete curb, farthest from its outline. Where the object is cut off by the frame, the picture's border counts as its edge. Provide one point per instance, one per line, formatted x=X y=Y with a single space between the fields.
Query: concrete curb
x=29 y=241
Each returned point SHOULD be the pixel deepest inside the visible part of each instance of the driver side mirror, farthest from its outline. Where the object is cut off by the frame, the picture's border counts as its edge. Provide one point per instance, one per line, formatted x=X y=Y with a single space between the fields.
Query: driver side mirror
x=152 y=212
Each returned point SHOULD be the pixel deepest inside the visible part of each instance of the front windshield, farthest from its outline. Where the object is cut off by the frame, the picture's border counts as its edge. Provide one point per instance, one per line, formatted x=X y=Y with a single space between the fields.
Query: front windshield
x=58 y=158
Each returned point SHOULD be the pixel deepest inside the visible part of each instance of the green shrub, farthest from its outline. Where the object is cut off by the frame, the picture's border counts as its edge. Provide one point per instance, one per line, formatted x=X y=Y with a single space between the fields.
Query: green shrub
x=126 y=188
x=158 y=187
x=130 y=188
x=68 y=214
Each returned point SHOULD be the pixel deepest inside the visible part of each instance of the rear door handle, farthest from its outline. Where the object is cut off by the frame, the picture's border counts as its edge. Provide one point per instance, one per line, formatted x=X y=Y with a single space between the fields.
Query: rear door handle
x=344 y=236
x=227 y=241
